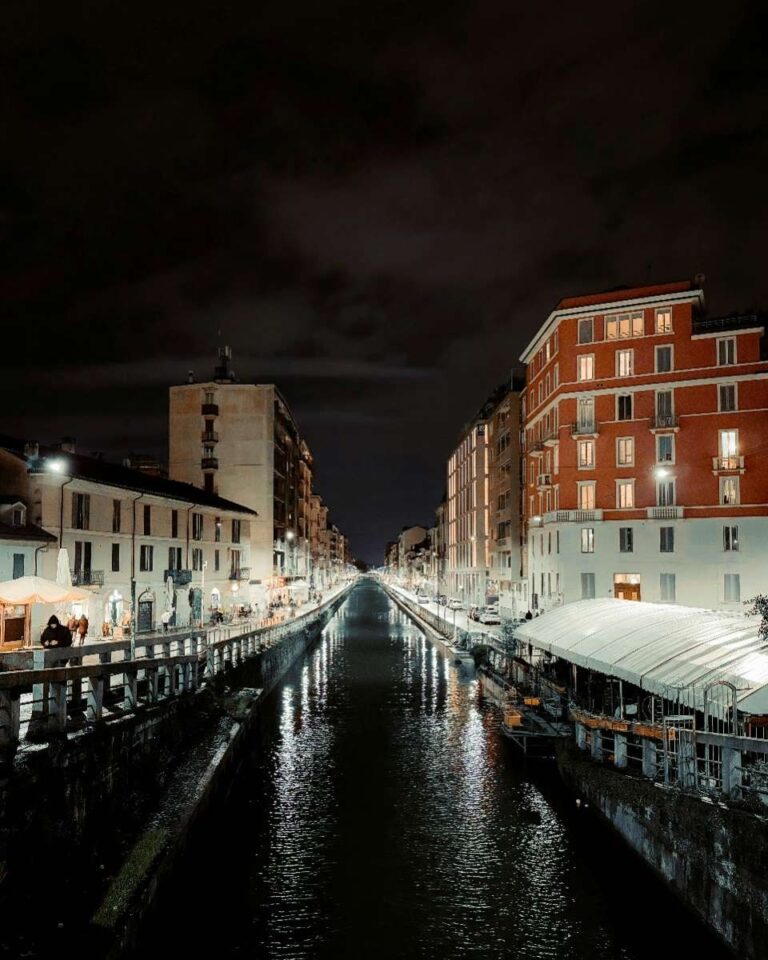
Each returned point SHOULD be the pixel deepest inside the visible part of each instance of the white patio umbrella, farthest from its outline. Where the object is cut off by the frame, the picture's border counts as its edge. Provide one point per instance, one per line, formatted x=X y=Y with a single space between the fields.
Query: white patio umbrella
x=169 y=594
x=25 y=591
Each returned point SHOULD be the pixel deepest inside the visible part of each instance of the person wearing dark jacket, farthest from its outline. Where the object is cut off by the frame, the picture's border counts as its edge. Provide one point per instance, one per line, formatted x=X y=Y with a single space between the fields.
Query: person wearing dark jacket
x=56 y=635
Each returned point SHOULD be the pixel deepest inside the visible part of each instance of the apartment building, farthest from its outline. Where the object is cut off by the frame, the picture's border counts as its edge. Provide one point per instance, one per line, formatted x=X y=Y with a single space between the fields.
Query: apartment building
x=140 y=544
x=645 y=464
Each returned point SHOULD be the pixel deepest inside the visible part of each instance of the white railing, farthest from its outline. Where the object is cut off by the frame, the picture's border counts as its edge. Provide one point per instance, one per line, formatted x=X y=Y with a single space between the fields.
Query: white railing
x=664 y=513
x=573 y=516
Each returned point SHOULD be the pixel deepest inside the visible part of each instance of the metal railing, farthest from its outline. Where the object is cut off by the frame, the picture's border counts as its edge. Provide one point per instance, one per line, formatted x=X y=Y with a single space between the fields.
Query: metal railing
x=209 y=463
x=586 y=428
x=209 y=436
x=728 y=463
x=209 y=410
x=664 y=513
x=241 y=573
x=180 y=577
x=87 y=578
x=664 y=421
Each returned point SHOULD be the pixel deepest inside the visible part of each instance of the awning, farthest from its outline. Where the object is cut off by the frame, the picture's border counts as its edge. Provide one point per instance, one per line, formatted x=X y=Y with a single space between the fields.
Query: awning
x=27 y=590
x=666 y=649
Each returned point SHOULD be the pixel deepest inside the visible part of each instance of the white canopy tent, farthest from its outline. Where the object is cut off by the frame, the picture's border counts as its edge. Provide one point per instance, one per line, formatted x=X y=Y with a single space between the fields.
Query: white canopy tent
x=665 y=649
x=26 y=591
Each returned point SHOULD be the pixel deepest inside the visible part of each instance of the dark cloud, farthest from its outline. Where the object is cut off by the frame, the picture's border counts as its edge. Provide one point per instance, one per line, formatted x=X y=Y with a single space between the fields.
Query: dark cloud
x=375 y=204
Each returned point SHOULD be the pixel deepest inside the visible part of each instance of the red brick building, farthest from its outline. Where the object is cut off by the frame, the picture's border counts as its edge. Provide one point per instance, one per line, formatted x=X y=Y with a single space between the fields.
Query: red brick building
x=646 y=451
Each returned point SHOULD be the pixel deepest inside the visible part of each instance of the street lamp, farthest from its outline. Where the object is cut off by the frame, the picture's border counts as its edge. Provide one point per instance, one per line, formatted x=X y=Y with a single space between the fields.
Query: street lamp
x=202 y=589
x=289 y=536
x=460 y=588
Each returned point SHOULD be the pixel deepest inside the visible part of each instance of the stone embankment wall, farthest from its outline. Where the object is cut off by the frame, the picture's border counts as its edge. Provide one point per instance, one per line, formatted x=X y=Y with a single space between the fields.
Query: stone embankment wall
x=712 y=855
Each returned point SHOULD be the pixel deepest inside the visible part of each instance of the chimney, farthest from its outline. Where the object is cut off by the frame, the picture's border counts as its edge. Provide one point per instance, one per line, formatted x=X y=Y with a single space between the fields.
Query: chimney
x=32 y=450
x=67 y=445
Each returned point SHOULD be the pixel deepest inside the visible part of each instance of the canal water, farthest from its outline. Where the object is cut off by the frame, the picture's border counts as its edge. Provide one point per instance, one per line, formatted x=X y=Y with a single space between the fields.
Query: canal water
x=382 y=815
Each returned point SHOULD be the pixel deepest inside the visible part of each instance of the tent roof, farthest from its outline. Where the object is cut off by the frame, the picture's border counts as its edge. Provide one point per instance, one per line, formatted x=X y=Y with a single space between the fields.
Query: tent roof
x=661 y=648
x=26 y=590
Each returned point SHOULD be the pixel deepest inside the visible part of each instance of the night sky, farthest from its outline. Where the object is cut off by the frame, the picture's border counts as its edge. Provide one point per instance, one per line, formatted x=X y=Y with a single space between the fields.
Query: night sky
x=377 y=203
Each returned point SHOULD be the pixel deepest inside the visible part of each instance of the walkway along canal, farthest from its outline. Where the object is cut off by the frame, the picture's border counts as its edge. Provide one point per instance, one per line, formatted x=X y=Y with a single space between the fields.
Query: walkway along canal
x=382 y=814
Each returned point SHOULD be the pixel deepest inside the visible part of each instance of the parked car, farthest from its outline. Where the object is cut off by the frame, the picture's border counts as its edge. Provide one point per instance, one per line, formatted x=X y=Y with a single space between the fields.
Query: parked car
x=454 y=603
x=489 y=615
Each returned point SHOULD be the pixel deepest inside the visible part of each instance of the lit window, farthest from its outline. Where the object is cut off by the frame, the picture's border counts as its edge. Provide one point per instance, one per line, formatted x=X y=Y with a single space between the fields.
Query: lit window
x=664 y=321
x=726 y=351
x=586 y=454
x=624 y=325
x=665 y=493
x=625 y=451
x=586 y=496
x=666 y=539
x=729 y=490
x=729 y=444
x=625 y=494
x=585 y=367
x=730 y=538
x=587 y=539
x=625 y=362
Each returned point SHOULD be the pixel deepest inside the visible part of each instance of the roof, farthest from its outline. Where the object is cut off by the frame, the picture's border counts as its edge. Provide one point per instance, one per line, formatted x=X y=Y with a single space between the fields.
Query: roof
x=115 y=475
x=29 y=531
x=625 y=293
x=734 y=321
x=666 y=649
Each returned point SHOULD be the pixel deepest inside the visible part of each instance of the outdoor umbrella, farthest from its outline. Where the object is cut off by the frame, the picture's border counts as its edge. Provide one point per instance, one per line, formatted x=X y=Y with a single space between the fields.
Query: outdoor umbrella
x=63 y=574
x=28 y=590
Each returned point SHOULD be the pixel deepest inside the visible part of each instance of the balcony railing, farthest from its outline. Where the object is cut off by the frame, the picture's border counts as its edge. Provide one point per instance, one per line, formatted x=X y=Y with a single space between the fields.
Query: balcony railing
x=536 y=448
x=87 y=578
x=720 y=464
x=544 y=480
x=665 y=513
x=572 y=516
x=242 y=573
x=180 y=577
x=209 y=463
x=551 y=437
x=585 y=428
x=210 y=410
x=209 y=436
x=664 y=421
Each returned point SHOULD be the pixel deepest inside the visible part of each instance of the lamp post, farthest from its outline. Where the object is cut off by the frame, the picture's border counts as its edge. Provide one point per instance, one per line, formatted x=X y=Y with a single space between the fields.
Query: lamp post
x=460 y=588
x=289 y=536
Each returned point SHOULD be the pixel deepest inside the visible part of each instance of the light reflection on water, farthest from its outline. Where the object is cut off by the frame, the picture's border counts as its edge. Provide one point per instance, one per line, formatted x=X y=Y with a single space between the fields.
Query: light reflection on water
x=385 y=817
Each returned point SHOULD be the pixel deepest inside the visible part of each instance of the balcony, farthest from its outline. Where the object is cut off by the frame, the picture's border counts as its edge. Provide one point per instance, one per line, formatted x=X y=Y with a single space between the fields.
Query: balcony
x=664 y=421
x=573 y=516
x=544 y=481
x=209 y=463
x=586 y=428
x=180 y=577
x=551 y=437
x=665 y=513
x=727 y=464
x=210 y=410
x=242 y=573
x=87 y=578
x=536 y=449
x=209 y=436
x=535 y=521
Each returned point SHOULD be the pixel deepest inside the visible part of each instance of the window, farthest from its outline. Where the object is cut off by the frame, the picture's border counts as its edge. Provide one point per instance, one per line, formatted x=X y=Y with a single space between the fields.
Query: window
x=174 y=558
x=587 y=586
x=624 y=406
x=208 y=483
x=726 y=351
x=81 y=511
x=625 y=494
x=663 y=359
x=667 y=587
x=216 y=560
x=147 y=520
x=18 y=565
x=555 y=377
x=146 y=557
x=730 y=538
x=585 y=367
x=665 y=448
x=235 y=531
x=116 y=510
x=726 y=397
x=586 y=451
x=626 y=540
x=557 y=541
x=17 y=518
x=541 y=392
x=625 y=451
x=587 y=539
x=729 y=444
x=197 y=558
x=664 y=408
x=83 y=553
x=666 y=539
x=585 y=330
x=174 y=523
x=115 y=557
x=549 y=542
x=586 y=495
x=729 y=490
x=664 y=321
x=732 y=587
x=665 y=493
x=197 y=526
x=586 y=414
x=234 y=570
x=625 y=363
x=624 y=325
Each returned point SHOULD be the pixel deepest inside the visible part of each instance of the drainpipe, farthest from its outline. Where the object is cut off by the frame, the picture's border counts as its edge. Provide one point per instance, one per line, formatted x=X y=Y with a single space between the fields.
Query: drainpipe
x=44 y=547
x=187 y=564
x=134 y=610
x=61 y=513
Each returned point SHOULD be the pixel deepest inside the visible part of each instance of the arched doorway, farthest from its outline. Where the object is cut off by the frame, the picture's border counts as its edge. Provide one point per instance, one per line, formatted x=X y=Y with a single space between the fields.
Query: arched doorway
x=146 y=613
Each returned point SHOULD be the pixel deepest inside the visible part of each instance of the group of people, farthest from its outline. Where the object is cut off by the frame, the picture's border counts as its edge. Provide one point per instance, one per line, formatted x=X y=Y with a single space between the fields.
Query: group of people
x=57 y=634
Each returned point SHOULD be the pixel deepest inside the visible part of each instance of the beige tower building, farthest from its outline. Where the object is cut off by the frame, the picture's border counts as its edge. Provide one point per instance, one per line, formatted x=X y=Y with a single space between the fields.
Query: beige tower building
x=241 y=442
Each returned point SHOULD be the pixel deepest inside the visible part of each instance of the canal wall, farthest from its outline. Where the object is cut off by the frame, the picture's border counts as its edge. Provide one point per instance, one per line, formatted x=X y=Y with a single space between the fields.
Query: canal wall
x=710 y=854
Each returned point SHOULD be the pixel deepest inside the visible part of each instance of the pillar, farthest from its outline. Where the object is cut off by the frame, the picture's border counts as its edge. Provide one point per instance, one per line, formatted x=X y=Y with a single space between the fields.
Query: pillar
x=731 y=760
x=581 y=736
x=620 y=750
x=649 y=758
x=95 y=698
x=686 y=760
x=597 y=744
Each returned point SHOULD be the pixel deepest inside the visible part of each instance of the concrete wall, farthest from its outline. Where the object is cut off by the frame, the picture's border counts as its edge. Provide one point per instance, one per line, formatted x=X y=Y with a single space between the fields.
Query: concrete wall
x=712 y=856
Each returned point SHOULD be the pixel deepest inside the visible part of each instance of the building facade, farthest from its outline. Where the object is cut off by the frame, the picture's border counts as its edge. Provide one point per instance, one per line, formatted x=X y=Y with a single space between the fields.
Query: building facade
x=645 y=468
x=138 y=543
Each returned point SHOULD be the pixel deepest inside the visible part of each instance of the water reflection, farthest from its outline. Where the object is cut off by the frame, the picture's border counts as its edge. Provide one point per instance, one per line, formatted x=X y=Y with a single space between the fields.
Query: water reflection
x=383 y=817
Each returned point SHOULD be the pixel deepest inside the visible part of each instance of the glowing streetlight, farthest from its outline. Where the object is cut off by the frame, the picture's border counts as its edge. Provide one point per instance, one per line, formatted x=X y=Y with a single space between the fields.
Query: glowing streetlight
x=661 y=472
x=55 y=466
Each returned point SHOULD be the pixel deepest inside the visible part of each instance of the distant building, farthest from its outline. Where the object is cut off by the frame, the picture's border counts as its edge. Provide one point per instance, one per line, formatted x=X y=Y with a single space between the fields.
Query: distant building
x=646 y=467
